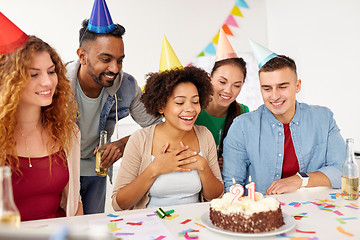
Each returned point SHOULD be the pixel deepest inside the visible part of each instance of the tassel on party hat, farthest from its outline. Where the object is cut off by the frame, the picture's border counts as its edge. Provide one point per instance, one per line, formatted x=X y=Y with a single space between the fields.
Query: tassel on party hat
x=224 y=48
x=11 y=37
x=100 y=19
x=168 y=58
x=262 y=54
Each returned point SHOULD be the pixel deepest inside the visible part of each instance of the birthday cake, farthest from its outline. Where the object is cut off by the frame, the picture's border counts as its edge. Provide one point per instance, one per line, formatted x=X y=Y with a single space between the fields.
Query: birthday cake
x=246 y=215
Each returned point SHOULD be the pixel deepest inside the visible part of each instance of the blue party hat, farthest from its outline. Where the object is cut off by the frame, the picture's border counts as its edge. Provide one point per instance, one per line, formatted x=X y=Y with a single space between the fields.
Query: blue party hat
x=262 y=54
x=100 y=19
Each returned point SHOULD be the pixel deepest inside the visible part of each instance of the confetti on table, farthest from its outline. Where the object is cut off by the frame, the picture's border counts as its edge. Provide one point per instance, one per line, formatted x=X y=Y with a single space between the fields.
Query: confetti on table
x=301 y=231
x=354 y=205
x=170 y=212
x=171 y=217
x=297 y=205
x=190 y=237
x=329 y=206
x=112 y=215
x=181 y=234
x=111 y=226
x=152 y=214
x=338 y=213
x=349 y=206
x=282 y=203
x=197 y=218
x=135 y=223
x=293 y=203
x=186 y=221
x=350 y=218
x=124 y=234
x=116 y=220
x=306 y=202
x=340 y=229
x=160 y=238
x=200 y=225
x=340 y=220
x=300 y=238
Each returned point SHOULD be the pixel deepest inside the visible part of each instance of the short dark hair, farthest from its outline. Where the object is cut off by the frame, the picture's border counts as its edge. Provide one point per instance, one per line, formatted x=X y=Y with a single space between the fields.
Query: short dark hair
x=85 y=34
x=278 y=62
x=238 y=62
x=160 y=86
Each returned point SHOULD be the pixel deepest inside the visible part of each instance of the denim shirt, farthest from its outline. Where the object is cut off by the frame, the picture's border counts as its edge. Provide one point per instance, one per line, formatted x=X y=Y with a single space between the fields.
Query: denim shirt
x=255 y=146
x=128 y=93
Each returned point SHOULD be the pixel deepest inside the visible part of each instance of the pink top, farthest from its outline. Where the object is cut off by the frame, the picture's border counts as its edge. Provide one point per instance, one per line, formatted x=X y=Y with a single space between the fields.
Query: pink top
x=37 y=192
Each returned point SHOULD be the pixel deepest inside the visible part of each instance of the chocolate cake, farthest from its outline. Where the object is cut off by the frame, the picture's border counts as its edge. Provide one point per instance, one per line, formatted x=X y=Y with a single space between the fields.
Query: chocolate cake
x=247 y=215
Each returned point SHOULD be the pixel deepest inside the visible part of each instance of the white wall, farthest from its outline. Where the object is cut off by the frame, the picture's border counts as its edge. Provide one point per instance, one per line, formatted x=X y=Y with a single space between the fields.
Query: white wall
x=323 y=37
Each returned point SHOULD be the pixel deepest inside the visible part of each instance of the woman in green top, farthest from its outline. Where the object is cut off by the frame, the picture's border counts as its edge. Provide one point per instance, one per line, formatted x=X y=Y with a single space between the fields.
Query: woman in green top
x=227 y=78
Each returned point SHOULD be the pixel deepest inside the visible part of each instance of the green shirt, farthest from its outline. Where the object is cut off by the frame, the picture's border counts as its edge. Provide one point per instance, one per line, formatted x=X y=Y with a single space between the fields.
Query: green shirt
x=215 y=124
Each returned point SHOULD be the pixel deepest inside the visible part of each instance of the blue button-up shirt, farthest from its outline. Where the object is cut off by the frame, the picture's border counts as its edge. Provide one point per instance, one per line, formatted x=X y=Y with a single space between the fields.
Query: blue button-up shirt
x=255 y=146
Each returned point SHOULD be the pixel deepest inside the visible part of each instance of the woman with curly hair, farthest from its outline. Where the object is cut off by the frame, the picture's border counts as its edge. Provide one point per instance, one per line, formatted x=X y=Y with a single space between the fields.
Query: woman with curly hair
x=39 y=136
x=173 y=162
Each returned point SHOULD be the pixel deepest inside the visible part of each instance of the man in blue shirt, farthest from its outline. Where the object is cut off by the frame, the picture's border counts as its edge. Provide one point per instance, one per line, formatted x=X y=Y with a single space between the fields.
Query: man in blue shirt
x=284 y=144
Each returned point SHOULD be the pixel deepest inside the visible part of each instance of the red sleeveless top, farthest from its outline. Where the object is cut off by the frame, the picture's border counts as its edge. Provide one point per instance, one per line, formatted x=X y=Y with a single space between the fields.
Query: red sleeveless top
x=37 y=192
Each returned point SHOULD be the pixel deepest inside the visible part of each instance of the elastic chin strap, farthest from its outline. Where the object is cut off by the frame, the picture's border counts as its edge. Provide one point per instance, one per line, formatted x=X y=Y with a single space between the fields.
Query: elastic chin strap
x=116 y=117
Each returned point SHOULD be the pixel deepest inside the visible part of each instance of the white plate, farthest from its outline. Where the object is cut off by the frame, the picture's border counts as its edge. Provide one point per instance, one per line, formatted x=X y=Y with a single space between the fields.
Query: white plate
x=289 y=224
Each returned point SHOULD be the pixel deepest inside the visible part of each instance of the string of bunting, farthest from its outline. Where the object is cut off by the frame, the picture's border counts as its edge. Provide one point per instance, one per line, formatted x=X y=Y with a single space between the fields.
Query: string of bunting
x=230 y=21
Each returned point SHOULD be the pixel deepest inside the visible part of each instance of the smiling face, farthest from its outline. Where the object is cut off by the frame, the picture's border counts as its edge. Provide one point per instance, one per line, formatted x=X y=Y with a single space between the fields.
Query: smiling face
x=40 y=88
x=278 y=90
x=227 y=82
x=102 y=59
x=182 y=107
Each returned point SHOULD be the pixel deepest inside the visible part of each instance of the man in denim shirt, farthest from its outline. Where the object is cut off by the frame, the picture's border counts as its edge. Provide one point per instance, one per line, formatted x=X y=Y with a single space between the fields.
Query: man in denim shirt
x=284 y=144
x=105 y=94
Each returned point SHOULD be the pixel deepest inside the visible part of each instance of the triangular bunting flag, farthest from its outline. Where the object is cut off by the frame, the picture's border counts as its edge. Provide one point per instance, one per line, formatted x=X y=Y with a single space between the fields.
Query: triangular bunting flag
x=231 y=21
x=210 y=48
x=241 y=3
x=201 y=54
x=227 y=30
x=215 y=39
x=190 y=64
x=236 y=11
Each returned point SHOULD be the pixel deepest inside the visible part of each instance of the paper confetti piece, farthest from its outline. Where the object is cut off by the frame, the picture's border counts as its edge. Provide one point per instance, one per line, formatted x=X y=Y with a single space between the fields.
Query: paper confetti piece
x=338 y=213
x=160 y=237
x=186 y=221
x=293 y=203
x=301 y=231
x=282 y=203
x=354 y=205
x=124 y=233
x=135 y=223
x=351 y=207
x=197 y=218
x=187 y=230
x=171 y=217
x=340 y=220
x=300 y=238
x=190 y=237
x=112 y=215
x=116 y=220
x=306 y=202
x=340 y=229
x=298 y=217
x=350 y=218
x=297 y=205
x=114 y=230
x=150 y=215
x=111 y=226
x=170 y=212
x=333 y=197
x=200 y=225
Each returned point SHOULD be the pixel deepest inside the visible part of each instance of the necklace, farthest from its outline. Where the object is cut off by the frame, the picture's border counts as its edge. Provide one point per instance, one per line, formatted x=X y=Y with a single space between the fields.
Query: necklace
x=26 y=145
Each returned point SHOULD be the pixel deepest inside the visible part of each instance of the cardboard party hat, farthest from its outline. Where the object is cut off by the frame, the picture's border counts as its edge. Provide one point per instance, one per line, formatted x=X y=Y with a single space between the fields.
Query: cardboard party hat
x=168 y=58
x=100 y=19
x=262 y=54
x=11 y=37
x=224 y=48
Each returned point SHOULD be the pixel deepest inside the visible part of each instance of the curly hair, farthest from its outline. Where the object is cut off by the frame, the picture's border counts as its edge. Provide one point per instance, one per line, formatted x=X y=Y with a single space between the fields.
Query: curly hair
x=160 y=86
x=59 y=118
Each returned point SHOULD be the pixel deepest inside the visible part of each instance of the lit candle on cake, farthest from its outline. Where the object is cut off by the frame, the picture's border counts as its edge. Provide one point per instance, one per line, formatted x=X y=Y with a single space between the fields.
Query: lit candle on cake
x=251 y=189
x=237 y=191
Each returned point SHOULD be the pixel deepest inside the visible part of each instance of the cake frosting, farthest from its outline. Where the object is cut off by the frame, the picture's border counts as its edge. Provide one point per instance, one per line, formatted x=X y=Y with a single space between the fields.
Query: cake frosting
x=246 y=215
